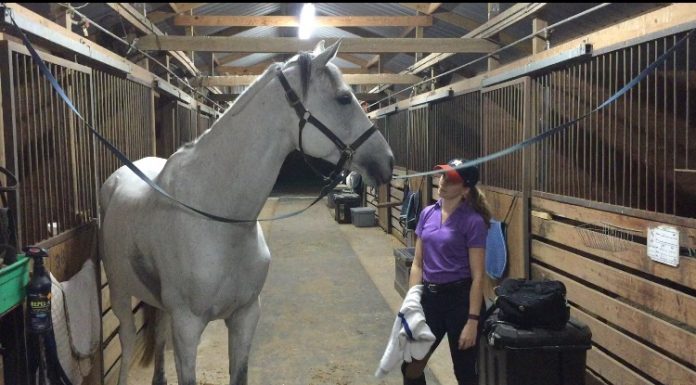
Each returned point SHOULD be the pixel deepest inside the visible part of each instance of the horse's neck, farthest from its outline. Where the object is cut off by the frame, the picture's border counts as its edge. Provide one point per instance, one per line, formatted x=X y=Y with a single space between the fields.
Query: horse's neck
x=230 y=170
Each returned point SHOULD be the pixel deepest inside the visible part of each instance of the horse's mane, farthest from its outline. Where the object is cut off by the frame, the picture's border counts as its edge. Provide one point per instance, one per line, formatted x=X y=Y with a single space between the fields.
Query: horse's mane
x=304 y=60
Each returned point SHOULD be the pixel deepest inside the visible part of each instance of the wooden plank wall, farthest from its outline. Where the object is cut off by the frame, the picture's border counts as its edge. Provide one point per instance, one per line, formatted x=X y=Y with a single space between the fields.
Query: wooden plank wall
x=507 y=202
x=642 y=313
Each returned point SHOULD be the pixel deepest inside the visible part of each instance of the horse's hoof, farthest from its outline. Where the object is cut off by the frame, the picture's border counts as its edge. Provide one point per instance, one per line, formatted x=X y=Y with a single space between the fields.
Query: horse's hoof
x=159 y=381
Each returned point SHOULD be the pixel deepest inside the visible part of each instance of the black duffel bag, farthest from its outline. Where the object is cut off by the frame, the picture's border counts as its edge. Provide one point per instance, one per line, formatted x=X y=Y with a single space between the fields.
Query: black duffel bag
x=532 y=304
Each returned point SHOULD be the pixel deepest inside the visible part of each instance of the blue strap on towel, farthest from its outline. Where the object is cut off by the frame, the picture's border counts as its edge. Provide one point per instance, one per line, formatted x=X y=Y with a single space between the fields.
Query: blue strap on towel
x=406 y=327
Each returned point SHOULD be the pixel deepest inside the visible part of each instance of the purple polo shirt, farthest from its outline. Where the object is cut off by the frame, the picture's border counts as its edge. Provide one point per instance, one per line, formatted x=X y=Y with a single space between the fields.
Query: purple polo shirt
x=446 y=246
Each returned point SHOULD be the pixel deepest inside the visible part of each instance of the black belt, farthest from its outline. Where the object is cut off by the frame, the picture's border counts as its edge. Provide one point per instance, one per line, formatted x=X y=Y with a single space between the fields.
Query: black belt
x=446 y=287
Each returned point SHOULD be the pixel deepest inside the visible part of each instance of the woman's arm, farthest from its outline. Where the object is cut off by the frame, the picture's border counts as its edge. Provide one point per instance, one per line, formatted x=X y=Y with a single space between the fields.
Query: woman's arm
x=416 y=276
x=477 y=264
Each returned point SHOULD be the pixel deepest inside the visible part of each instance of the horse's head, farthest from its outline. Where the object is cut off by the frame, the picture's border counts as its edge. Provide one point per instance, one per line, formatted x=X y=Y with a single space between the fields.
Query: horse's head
x=330 y=103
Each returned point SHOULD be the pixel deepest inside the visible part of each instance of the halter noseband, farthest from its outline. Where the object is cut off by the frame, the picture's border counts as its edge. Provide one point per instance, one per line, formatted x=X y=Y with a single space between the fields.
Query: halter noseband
x=347 y=151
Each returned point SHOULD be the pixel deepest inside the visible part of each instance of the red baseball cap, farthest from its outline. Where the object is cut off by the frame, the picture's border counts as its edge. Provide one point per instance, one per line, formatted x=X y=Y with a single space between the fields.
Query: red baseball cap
x=469 y=176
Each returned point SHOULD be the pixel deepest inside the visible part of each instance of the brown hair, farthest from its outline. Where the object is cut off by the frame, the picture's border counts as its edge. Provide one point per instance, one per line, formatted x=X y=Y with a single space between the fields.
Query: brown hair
x=478 y=201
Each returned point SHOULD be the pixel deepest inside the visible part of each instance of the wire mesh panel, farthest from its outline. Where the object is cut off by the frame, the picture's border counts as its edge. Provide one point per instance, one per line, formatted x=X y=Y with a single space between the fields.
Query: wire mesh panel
x=503 y=126
x=417 y=139
x=123 y=115
x=639 y=151
x=396 y=129
x=455 y=128
x=47 y=146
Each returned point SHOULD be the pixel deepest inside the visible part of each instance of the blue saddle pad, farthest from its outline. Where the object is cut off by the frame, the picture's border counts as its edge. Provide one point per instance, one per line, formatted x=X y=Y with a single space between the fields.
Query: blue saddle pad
x=496 y=251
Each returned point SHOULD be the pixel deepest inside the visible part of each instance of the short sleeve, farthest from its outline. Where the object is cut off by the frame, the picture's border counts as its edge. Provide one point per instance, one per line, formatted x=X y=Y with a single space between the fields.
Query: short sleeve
x=477 y=232
x=422 y=218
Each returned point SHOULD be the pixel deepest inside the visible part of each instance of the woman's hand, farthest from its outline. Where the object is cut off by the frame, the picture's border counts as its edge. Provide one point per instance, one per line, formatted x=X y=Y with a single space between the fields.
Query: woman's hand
x=468 y=337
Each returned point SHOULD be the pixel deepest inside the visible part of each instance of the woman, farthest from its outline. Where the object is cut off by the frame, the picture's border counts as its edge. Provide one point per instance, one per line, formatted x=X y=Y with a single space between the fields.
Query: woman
x=449 y=262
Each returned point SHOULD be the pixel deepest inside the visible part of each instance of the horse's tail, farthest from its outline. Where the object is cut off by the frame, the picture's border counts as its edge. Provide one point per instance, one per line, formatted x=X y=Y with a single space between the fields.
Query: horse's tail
x=152 y=317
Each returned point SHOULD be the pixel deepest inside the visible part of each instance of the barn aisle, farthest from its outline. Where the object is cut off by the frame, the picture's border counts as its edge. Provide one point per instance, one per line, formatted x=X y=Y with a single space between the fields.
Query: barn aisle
x=323 y=318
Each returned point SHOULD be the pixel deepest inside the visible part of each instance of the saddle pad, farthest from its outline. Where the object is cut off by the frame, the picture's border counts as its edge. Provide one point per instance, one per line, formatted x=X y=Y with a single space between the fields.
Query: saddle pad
x=76 y=321
x=82 y=305
x=496 y=251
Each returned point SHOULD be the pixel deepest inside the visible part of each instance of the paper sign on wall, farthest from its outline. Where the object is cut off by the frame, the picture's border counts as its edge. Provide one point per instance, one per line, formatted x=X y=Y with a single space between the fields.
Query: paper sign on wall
x=663 y=245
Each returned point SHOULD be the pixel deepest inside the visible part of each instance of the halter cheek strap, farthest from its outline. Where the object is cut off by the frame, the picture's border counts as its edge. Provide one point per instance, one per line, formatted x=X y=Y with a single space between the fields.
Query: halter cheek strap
x=347 y=151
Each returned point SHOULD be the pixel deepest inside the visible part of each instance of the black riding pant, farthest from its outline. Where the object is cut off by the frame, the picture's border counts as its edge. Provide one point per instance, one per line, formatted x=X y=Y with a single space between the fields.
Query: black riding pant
x=446 y=312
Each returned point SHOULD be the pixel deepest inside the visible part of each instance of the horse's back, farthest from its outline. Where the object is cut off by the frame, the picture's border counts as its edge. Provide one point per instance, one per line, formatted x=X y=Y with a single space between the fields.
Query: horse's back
x=125 y=181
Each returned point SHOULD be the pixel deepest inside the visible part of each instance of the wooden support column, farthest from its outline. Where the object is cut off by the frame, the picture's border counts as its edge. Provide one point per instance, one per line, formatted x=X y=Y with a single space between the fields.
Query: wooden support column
x=61 y=16
x=212 y=64
x=539 y=42
x=166 y=62
x=493 y=11
x=189 y=32
x=418 y=35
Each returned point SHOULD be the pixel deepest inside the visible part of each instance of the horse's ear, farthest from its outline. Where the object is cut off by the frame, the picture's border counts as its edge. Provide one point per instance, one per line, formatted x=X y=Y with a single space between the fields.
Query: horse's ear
x=319 y=48
x=326 y=56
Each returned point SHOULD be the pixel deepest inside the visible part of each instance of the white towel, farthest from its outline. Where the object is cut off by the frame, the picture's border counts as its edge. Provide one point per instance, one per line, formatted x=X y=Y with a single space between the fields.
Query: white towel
x=76 y=321
x=401 y=346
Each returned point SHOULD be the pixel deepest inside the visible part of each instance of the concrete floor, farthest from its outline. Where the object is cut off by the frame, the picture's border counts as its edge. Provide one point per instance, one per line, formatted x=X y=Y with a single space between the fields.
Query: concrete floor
x=328 y=306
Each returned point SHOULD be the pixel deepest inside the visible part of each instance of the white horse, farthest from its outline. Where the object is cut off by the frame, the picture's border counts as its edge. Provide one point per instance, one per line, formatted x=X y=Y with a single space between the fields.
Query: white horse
x=192 y=269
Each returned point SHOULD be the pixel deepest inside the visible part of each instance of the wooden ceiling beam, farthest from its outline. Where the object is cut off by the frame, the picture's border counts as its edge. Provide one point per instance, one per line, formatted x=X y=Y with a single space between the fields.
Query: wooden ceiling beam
x=294 y=45
x=510 y=16
x=185 y=7
x=258 y=69
x=359 y=96
x=294 y=21
x=160 y=16
x=144 y=25
x=353 y=59
x=352 y=79
x=231 y=57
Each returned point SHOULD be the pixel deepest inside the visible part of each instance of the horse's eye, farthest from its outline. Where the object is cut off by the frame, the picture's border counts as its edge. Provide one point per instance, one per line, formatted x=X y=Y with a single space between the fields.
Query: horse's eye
x=344 y=99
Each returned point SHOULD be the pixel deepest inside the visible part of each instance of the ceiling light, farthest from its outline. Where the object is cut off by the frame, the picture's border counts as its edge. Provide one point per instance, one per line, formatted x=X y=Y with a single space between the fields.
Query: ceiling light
x=307 y=21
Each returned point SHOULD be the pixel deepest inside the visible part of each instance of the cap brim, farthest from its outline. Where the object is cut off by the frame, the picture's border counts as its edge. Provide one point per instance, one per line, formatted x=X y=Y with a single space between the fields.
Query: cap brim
x=451 y=173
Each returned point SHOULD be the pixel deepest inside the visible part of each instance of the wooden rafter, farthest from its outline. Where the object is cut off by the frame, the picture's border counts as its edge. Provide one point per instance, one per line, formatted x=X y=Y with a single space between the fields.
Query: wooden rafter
x=185 y=7
x=505 y=19
x=510 y=16
x=353 y=59
x=293 y=45
x=353 y=79
x=470 y=24
x=293 y=21
x=144 y=25
x=258 y=69
x=160 y=16
x=231 y=57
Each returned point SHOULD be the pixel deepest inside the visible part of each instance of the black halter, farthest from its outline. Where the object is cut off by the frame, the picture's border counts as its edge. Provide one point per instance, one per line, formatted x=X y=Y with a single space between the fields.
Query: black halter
x=347 y=151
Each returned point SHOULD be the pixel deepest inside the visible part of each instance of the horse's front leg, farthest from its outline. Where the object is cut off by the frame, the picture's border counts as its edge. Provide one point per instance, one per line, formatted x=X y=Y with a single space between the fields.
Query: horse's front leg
x=186 y=334
x=241 y=326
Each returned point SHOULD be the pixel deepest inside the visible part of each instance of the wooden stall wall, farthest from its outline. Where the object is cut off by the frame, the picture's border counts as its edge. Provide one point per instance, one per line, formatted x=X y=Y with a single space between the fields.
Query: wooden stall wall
x=580 y=203
x=49 y=150
x=52 y=155
x=506 y=180
x=600 y=186
x=61 y=166
x=130 y=127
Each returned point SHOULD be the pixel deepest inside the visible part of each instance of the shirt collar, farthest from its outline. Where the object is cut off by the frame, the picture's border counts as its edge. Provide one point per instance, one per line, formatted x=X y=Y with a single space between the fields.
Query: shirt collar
x=463 y=206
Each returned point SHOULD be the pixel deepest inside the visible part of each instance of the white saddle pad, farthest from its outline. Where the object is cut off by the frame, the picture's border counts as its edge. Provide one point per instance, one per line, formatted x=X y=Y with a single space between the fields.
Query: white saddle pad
x=75 y=316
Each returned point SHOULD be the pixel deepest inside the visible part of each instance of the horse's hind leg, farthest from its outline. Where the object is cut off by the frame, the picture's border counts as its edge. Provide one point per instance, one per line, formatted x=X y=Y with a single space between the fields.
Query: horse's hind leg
x=186 y=333
x=162 y=330
x=121 y=305
x=241 y=326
